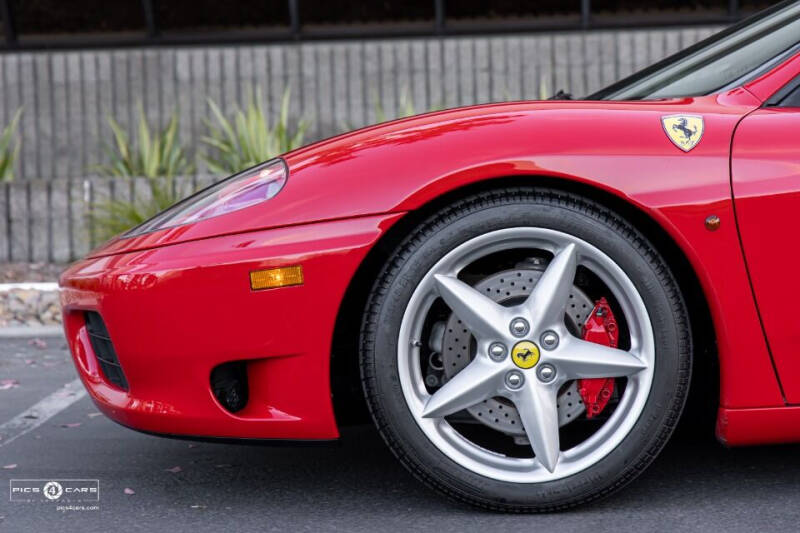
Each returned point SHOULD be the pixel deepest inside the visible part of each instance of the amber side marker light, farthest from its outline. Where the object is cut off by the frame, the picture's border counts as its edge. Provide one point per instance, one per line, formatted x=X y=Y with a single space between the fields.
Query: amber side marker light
x=276 y=277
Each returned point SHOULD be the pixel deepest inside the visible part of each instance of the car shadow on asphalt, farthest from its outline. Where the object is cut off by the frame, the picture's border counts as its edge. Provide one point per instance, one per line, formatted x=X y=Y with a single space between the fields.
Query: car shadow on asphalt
x=358 y=485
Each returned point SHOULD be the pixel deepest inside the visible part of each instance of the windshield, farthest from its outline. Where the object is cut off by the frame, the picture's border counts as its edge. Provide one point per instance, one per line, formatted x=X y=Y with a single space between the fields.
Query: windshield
x=724 y=61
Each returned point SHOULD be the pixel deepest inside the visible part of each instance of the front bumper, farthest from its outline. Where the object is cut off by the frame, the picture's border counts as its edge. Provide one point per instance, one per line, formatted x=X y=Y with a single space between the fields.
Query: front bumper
x=175 y=312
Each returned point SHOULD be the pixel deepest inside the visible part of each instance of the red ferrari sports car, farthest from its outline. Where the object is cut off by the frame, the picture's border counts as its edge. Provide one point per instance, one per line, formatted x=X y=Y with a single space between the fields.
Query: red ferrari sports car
x=518 y=292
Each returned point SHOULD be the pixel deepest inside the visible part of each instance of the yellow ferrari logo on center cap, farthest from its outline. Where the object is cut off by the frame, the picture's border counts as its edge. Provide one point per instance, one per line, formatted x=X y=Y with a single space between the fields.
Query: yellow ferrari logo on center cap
x=685 y=131
x=525 y=354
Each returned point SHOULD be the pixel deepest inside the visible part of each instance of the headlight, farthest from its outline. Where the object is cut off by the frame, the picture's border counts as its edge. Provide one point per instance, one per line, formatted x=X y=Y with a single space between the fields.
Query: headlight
x=249 y=187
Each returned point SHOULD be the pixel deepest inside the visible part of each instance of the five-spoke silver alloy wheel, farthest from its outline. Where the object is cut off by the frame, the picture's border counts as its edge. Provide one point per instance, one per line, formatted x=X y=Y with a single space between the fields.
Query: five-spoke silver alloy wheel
x=562 y=357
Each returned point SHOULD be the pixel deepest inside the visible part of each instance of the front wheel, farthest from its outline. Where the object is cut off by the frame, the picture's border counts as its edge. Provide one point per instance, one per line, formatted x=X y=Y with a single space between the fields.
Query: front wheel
x=525 y=350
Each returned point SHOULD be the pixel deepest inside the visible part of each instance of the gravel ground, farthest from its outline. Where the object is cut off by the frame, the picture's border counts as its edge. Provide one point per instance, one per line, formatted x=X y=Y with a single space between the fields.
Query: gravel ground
x=32 y=308
x=153 y=484
x=25 y=307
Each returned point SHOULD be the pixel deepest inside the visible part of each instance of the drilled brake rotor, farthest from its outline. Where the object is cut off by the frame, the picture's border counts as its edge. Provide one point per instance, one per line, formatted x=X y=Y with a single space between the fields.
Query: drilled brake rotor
x=458 y=348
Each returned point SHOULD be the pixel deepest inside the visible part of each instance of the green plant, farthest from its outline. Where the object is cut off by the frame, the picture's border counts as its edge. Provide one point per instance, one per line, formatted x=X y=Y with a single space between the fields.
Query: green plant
x=152 y=154
x=406 y=109
x=111 y=217
x=9 y=147
x=247 y=139
x=544 y=94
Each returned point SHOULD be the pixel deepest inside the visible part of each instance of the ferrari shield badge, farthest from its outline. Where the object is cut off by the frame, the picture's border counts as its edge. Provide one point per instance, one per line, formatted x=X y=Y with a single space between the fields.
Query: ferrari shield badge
x=685 y=131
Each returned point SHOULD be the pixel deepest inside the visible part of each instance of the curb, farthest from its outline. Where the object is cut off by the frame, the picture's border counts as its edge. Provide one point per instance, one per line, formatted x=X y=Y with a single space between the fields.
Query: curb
x=29 y=286
x=24 y=332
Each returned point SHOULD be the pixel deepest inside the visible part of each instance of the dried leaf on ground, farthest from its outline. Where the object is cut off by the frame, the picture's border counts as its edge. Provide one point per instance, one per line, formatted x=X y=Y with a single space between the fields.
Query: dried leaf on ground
x=39 y=343
x=6 y=384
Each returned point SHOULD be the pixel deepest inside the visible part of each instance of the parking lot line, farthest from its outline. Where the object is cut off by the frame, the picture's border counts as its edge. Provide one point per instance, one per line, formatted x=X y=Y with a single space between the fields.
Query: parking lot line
x=41 y=412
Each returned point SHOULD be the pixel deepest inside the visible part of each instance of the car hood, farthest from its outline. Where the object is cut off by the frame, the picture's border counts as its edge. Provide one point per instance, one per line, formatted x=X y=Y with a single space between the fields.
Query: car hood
x=395 y=166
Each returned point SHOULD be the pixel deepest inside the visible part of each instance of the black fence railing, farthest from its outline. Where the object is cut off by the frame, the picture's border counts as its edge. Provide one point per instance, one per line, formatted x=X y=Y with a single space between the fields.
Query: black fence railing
x=32 y=25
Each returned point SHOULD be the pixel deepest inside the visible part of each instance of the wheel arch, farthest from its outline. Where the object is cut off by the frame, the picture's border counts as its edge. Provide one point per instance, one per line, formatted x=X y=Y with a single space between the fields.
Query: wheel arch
x=348 y=401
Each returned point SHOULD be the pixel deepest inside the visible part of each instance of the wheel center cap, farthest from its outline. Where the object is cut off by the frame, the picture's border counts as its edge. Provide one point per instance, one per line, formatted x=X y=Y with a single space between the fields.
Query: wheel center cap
x=525 y=354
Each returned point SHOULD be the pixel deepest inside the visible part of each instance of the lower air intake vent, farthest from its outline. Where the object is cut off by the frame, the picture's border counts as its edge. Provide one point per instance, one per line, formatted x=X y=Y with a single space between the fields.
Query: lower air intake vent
x=104 y=350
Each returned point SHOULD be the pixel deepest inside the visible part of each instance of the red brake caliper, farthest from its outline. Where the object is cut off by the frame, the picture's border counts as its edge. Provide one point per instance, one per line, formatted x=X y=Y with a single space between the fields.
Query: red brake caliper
x=600 y=327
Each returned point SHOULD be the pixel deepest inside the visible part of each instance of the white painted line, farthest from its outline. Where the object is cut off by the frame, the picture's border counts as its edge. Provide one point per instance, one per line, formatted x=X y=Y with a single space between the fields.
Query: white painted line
x=46 y=286
x=40 y=413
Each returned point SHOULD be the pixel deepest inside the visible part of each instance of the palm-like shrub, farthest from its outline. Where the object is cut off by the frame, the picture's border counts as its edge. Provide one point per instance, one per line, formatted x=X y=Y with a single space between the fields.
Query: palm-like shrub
x=406 y=104
x=247 y=138
x=154 y=155
x=112 y=217
x=9 y=147
x=406 y=108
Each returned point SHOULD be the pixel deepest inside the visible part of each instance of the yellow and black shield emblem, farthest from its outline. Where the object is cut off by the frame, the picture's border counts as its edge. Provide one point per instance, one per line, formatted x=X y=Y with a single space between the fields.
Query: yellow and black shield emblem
x=685 y=131
x=525 y=354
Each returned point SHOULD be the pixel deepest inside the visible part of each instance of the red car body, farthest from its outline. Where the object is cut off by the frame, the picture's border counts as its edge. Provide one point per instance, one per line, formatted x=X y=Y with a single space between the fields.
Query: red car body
x=177 y=302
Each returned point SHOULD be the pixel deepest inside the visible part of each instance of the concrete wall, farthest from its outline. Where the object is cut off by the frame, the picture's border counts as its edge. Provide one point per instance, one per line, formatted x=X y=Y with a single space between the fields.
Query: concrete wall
x=67 y=95
x=48 y=220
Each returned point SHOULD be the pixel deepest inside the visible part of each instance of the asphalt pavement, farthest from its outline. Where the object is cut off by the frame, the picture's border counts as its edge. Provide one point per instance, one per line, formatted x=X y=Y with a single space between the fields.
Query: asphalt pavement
x=153 y=484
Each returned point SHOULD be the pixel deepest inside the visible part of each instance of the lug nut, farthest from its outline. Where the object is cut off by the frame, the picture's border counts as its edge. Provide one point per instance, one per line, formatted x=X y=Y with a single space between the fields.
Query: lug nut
x=546 y=372
x=514 y=380
x=519 y=327
x=497 y=351
x=549 y=340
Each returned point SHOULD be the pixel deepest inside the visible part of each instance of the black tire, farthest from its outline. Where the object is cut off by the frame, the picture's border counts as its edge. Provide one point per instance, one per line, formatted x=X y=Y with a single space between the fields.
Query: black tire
x=510 y=207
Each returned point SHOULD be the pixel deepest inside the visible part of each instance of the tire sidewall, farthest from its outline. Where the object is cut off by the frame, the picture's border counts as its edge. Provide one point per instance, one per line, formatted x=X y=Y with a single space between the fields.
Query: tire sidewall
x=468 y=220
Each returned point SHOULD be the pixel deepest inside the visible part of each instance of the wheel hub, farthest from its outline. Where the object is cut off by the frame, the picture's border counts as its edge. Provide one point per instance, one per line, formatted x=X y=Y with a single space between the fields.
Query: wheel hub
x=525 y=354
x=458 y=348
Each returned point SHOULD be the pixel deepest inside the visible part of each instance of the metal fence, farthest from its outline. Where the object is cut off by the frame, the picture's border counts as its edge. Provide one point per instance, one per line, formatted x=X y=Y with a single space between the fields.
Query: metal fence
x=337 y=85
x=37 y=25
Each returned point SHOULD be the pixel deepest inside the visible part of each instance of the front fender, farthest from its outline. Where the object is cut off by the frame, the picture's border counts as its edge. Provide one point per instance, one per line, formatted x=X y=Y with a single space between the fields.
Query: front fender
x=619 y=147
